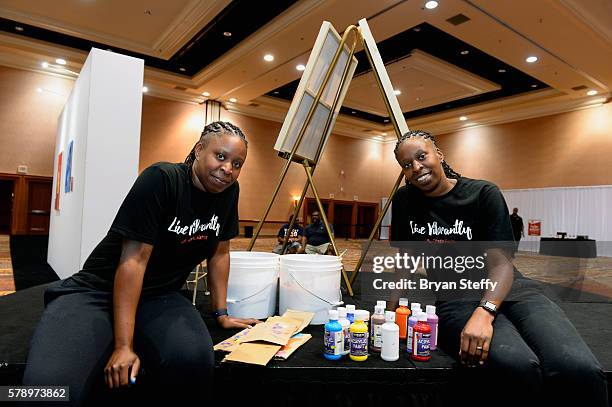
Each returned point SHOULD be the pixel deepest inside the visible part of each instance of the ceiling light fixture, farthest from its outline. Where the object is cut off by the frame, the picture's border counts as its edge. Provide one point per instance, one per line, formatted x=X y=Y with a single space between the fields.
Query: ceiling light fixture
x=463 y=118
x=233 y=100
x=227 y=33
x=592 y=92
x=531 y=59
x=268 y=57
x=60 y=61
x=145 y=89
x=465 y=52
x=534 y=85
x=501 y=70
x=383 y=134
x=300 y=67
x=430 y=5
x=18 y=28
x=207 y=94
x=45 y=64
x=397 y=92
x=182 y=69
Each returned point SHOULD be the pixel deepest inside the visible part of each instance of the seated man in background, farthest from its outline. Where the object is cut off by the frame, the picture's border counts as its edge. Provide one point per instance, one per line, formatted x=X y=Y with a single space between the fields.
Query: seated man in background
x=315 y=236
x=294 y=243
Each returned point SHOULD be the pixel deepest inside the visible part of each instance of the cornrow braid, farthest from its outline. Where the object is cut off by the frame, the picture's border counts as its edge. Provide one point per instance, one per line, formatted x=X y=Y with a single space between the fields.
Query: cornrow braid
x=448 y=171
x=215 y=129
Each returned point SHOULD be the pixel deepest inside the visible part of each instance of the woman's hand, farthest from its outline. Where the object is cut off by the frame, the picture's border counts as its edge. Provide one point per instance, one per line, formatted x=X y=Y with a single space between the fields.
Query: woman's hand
x=118 y=367
x=476 y=338
x=228 y=322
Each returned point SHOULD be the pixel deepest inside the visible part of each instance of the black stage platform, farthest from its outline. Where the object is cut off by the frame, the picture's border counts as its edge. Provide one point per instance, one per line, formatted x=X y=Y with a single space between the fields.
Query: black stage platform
x=307 y=378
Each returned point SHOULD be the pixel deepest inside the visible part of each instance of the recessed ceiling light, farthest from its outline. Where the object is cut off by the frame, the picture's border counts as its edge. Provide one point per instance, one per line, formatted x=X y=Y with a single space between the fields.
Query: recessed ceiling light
x=386 y=120
x=300 y=67
x=145 y=89
x=531 y=59
x=502 y=70
x=227 y=33
x=276 y=92
x=60 y=61
x=416 y=29
x=207 y=94
x=353 y=112
x=233 y=100
x=592 y=92
x=397 y=92
x=465 y=52
x=534 y=85
x=463 y=118
x=430 y=5
x=182 y=69
x=45 y=64
x=383 y=134
x=268 y=58
x=18 y=28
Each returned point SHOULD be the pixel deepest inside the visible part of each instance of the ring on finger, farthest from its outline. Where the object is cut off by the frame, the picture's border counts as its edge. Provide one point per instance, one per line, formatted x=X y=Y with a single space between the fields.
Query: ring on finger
x=479 y=347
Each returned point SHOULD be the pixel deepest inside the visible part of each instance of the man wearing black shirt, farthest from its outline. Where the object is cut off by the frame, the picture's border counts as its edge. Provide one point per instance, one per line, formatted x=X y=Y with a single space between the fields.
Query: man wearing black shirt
x=316 y=237
x=517 y=226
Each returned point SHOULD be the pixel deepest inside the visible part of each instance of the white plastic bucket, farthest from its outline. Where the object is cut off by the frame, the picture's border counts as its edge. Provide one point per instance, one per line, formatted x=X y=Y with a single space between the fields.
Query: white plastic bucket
x=311 y=289
x=251 y=289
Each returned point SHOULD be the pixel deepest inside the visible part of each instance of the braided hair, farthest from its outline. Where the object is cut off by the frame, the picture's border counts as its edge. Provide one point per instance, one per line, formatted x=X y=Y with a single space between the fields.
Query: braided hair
x=215 y=129
x=448 y=171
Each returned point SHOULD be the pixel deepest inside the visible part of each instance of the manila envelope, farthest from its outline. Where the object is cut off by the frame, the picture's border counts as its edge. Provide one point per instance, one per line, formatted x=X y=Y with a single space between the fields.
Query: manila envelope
x=253 y=353
x=295 y=342
x=303 y=316
x=277 y=330
x=230 y=344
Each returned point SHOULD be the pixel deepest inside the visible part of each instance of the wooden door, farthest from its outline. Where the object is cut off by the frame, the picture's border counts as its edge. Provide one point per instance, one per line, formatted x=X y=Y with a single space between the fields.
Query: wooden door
x=39 y=205
x=6 y=205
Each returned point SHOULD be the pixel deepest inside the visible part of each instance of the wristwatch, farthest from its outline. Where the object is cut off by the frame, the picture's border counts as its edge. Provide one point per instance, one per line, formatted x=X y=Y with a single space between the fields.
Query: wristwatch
x=489 y=306
x=219 y=313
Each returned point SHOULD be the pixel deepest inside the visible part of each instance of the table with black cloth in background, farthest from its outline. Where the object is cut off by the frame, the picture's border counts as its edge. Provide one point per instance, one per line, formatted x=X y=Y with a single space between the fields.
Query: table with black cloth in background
x=583 y=248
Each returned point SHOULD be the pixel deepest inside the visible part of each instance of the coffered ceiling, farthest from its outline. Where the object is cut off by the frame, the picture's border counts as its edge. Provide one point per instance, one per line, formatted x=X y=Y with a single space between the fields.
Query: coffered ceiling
x=462 y=58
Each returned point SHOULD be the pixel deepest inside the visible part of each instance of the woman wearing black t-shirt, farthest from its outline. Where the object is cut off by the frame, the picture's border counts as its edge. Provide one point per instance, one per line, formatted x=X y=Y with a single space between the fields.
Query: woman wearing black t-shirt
x=124 y=304
x=535 y=352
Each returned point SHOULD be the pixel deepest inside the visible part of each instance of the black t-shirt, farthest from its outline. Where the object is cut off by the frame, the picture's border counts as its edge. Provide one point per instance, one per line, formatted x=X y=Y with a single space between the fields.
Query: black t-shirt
x=183 y=223
x=316 y=234
x=474 y=210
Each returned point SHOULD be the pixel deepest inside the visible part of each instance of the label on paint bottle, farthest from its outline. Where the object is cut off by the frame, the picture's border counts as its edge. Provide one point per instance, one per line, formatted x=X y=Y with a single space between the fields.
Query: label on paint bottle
x=333 y=342
x=359 y=343
x=409 y=342
x=420 y=344
x=377 y=336
x=347 y=340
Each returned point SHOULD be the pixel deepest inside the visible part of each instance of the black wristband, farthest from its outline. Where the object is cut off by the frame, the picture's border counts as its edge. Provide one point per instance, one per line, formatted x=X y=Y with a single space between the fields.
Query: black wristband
x=219 y=313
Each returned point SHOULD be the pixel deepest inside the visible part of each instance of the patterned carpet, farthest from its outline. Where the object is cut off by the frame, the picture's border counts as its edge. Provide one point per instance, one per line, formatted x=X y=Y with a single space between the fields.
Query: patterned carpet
x=7 y=285
x=589 y=275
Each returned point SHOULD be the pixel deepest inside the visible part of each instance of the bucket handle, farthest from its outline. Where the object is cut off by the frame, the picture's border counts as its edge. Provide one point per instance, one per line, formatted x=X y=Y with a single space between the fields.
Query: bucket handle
x=333 y=304
x=231 y=301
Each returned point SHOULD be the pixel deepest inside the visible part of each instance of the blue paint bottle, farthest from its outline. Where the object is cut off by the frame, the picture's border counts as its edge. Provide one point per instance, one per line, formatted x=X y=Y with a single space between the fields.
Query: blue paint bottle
x=333 y=339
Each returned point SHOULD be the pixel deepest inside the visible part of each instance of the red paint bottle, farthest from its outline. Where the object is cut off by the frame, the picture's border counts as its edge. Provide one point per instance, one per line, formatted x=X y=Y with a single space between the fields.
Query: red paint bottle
x=421 y=340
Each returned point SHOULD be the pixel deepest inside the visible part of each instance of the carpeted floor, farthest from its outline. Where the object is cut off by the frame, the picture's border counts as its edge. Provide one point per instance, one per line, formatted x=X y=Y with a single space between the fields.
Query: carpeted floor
x=592 y=276
x=7 y=283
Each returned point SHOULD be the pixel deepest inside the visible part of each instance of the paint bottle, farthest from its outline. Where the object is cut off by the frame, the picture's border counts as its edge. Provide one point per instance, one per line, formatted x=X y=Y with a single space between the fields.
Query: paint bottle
x=390 y=338
x=401 y=316
x=366 y=317
x=334 y=345
x=421 y=340
x=376 y=323
x=382 y=304
x=432 y=320
x=359 y=338
x=350 y=313
x=414 y=306
x=412 y=321
x=346 y=336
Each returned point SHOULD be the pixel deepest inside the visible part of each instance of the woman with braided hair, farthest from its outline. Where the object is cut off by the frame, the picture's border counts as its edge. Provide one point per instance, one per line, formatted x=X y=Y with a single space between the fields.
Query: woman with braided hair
x=124 y=305
x=513 y=330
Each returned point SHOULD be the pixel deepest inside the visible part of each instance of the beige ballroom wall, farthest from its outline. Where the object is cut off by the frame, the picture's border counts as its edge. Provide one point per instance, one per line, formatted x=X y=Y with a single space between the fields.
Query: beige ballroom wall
x=28 y=119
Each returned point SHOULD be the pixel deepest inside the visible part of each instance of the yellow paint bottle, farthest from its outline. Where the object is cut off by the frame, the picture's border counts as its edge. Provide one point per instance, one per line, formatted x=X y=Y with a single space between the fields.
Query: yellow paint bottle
x=359 y=337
